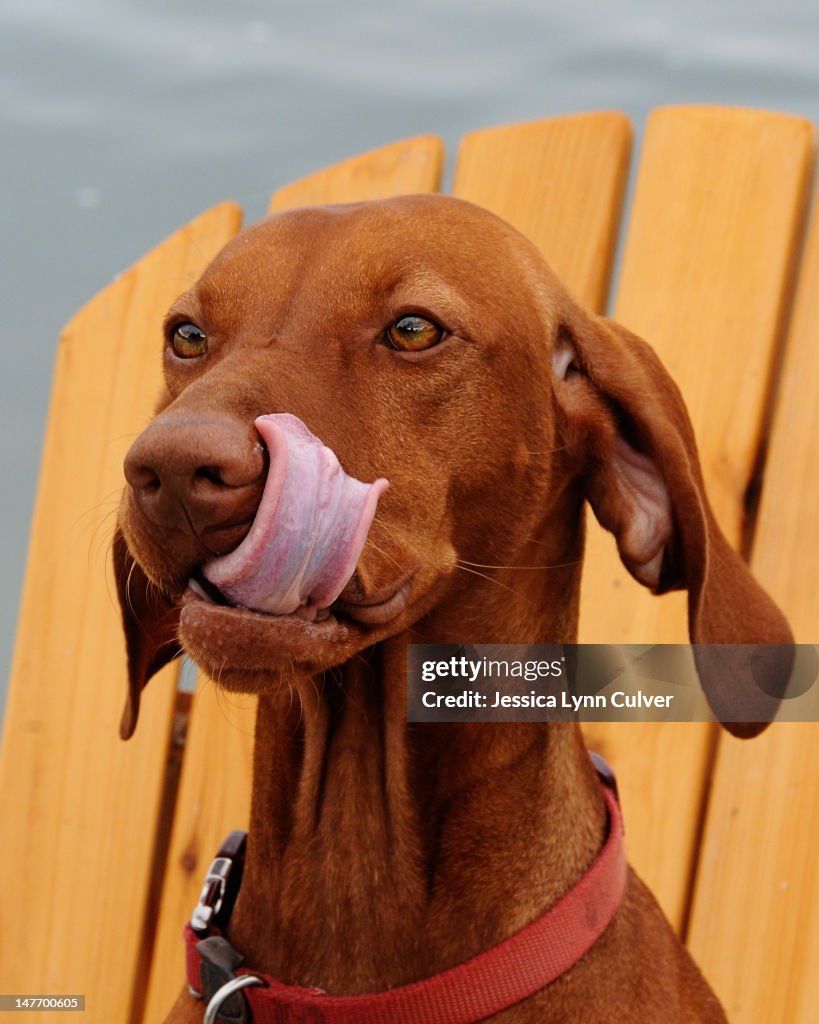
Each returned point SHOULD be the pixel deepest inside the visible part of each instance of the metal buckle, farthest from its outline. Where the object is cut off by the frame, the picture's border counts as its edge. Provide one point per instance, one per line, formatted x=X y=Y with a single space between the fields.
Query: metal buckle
x=221 y=884
x=212 y=895
x=227 y=990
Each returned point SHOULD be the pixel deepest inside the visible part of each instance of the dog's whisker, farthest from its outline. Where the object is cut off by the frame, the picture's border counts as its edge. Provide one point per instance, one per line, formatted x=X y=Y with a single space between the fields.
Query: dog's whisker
x=548 y=451
x=491 y=579
x=385 y=554
x=101 y=538
x=131 y=571
x=111 y=496
x=130 y=435
x=488 y=565
x=93 y=517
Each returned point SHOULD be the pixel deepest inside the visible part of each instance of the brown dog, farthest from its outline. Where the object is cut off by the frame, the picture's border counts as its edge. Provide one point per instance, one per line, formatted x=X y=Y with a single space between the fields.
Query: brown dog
x=426 y=342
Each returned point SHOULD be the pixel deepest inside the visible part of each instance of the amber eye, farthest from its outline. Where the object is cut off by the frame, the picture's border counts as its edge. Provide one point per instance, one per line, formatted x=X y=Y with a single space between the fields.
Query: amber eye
x=413 y=333
x=189 y=341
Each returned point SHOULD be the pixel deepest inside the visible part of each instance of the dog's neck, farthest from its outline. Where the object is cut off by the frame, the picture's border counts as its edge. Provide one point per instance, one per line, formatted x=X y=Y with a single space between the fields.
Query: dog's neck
x=381 y=852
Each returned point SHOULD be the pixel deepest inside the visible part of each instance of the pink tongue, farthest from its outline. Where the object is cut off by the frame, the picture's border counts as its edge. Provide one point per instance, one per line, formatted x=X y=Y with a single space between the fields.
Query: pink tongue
x=309 y=529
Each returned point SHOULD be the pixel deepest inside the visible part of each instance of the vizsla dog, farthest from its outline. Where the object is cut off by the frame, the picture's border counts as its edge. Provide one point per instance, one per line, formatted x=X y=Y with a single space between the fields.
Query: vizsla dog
x=379 y=417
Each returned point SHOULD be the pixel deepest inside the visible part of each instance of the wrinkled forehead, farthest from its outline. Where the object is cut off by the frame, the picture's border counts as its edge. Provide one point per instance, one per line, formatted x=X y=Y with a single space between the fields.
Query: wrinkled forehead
x=332 y=255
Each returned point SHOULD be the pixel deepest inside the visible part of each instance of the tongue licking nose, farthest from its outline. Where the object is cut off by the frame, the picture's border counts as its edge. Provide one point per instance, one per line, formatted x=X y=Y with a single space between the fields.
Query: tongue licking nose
x=309 y=529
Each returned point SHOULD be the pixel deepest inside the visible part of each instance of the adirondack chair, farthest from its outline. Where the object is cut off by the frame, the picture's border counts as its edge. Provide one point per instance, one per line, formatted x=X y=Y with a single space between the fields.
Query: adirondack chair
x=105 y=843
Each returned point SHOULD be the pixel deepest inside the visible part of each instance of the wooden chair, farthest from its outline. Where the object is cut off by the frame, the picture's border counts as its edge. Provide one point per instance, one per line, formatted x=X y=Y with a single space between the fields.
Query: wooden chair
x=104 y=842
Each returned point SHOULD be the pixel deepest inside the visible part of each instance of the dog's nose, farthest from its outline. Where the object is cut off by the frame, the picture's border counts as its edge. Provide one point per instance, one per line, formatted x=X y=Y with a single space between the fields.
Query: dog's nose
x=201 y=473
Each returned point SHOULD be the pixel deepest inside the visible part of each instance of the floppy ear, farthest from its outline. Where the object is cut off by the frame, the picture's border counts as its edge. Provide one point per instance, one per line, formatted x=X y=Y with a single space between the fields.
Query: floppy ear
x=150 y=622
x=626 y=416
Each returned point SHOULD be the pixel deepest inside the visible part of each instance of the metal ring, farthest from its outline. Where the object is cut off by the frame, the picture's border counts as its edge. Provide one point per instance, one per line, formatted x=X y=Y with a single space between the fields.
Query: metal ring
x=234 y=985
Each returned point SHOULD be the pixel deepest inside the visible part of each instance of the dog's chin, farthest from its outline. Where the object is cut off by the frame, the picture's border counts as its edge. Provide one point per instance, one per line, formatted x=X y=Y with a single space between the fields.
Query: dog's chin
x=252 y=652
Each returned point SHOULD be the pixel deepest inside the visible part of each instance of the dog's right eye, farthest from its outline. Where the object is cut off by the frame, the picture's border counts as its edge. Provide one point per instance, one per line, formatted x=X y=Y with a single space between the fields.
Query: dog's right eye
x=414 y=333
x=188 y=341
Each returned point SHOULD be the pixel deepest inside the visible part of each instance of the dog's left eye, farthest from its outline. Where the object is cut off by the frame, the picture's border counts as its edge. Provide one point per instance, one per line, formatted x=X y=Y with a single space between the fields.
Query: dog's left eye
x=189 y=341
x=413 y=333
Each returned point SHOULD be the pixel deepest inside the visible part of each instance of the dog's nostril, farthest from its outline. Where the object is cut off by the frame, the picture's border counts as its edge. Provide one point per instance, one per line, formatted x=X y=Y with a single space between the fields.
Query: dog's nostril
x=141 y=478
x=210 y=473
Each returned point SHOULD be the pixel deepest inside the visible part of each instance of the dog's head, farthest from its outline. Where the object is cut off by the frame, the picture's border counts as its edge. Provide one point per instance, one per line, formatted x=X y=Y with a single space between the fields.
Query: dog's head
x=425 y=343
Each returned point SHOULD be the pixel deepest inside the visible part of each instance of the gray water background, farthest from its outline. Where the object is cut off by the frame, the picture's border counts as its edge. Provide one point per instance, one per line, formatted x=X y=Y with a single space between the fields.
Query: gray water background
x=119 y=121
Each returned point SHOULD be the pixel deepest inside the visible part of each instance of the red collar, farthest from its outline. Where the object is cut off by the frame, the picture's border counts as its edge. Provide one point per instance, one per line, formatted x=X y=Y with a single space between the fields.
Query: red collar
x=487 y=984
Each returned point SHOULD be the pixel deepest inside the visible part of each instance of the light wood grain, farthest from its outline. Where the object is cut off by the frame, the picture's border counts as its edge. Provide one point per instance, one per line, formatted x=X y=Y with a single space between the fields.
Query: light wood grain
x=706 y=269
x=402 y=168
x=213 y=801
x=785 y=553
x=755 y=924
x=79 y=809
x=561 y=183
x=214 y=798
x=758 y=891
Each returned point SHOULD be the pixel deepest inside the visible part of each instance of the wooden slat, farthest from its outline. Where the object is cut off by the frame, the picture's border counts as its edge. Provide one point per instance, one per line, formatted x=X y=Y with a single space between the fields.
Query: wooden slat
x=79 y=810
x=786 y=545
x=211 y=802
x=705 y=278
x=755 y=925
x=402 y=168
x=560 y=182
x=214 y=798
x=758 y=890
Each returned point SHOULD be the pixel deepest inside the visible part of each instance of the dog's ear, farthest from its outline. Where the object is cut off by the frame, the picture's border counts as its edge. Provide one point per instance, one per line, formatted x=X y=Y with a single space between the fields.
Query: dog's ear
x=150 y=623
x=625 y=418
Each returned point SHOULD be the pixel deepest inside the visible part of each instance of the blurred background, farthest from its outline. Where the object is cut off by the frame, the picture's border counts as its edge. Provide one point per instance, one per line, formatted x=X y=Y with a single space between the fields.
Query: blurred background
x=119 y=121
